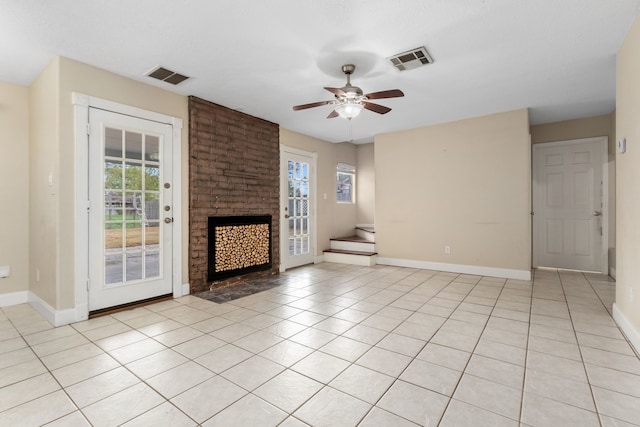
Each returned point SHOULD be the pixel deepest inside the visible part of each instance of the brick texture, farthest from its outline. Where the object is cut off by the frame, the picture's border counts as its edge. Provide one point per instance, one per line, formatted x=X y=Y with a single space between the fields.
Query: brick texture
x=234 y=169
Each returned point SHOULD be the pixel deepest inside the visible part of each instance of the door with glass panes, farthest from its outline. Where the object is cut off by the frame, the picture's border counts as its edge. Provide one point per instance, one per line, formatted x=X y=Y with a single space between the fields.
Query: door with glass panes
x=298 y=199
x=130 y=209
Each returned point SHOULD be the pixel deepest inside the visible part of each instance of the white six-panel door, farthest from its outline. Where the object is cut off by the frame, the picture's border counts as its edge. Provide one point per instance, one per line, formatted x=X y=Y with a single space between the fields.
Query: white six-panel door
x=568 y=205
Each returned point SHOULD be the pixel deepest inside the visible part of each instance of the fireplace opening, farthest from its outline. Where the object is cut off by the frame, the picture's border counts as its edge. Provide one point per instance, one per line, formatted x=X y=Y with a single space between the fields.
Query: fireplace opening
x=238 y=245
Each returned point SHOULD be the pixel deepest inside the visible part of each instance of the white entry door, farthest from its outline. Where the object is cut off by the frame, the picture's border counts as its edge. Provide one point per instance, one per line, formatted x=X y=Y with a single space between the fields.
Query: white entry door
x=569 y=209
x=298 y=207
x=130 y=209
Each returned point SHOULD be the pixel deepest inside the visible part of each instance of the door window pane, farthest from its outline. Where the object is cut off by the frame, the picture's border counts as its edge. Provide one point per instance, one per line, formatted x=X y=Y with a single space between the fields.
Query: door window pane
x=152 y=148
x=113 y=268
x=152 y=234
x=133 y=145
x=134 y=265
x=151 y=265
x=113 y=142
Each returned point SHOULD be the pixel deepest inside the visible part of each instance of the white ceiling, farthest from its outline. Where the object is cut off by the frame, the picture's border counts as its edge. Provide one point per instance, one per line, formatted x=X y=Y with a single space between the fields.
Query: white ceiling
x=556 y=57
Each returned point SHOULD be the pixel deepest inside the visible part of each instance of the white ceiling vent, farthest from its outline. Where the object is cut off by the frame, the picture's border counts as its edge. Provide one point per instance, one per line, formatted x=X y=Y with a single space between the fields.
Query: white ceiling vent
x=167 y=75
x=411 y=59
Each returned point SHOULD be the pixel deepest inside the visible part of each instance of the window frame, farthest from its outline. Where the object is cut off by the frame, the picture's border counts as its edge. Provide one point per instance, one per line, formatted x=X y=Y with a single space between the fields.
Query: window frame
x=350 y=171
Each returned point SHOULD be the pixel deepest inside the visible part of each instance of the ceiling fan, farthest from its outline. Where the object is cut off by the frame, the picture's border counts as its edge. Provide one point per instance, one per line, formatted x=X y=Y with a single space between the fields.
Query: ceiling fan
x=350 y=100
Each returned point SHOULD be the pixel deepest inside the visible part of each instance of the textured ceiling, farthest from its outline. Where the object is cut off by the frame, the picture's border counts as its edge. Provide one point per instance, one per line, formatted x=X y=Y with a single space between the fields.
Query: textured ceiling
x=555 y=57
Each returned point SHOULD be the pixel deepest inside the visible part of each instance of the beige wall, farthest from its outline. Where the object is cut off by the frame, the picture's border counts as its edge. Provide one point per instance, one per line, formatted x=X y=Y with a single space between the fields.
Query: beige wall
x=14 y=186
x=588 y=127
x=44 y=199
x=365 y=184
x=465 y=184
x=334 y=219
x=574 y=129
x=627 y=179
x=53 y=149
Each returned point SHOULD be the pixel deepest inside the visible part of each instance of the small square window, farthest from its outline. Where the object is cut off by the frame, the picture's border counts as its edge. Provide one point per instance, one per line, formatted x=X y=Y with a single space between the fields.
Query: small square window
x=346 y=183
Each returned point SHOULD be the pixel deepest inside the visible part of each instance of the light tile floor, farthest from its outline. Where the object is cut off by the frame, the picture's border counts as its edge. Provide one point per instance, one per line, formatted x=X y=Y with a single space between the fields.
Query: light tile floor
x=336 y=346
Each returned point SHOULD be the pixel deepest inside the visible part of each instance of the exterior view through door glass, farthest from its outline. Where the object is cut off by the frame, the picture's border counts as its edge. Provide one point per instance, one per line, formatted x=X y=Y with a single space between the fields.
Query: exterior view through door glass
x=130 y=216
x=298 y=208
x=298 y=217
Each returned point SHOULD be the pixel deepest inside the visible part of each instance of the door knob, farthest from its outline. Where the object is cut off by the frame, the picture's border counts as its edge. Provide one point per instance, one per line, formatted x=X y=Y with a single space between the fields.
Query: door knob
x=286 y=216
x=597 y=213
x=168 y=220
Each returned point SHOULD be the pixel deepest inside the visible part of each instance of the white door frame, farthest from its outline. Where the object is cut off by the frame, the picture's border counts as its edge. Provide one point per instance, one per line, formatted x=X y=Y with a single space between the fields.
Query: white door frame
x=604 y=150
x=81 y=105
x=284 y=245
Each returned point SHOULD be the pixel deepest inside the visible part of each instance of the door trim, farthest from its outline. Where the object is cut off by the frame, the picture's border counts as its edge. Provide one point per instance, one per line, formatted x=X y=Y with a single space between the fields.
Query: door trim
x=284 y=247
x=81 y=105
x=604 y=152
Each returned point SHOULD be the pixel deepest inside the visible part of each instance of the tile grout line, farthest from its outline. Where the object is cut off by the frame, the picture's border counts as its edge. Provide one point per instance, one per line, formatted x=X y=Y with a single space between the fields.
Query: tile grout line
x=526 y=350
x=584 y=365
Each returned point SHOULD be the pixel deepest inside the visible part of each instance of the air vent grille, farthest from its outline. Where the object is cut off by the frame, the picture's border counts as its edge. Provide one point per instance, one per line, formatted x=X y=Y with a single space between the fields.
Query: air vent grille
x=167 y=75
x=411 y=59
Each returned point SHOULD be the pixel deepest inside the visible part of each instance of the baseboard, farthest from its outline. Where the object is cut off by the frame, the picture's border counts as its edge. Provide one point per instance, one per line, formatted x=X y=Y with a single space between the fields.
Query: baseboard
x=457 y=268
x=612 y=272
x=53 y=316
x=14 y=298
x=627 y=328
x=365 y=225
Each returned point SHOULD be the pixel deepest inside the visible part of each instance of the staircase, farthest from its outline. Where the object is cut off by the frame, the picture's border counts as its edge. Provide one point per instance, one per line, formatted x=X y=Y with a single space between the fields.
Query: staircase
x=359 y=249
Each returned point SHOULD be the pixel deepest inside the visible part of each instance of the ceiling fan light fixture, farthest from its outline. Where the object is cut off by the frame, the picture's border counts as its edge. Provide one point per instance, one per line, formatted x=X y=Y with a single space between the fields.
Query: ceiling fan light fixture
x=349 y=110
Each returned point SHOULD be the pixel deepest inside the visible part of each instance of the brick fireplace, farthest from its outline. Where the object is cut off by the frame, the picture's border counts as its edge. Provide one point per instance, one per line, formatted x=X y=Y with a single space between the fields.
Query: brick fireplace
x=234 y=171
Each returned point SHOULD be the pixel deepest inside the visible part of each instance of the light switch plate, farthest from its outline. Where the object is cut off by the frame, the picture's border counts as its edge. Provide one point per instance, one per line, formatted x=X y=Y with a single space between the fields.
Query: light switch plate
x=5 y=271
x=622 y=145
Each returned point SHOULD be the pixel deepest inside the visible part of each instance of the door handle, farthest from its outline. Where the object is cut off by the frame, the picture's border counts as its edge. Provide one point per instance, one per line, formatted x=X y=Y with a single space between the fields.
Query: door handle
x=286 y=216
x=168 y=220
x=597 y=213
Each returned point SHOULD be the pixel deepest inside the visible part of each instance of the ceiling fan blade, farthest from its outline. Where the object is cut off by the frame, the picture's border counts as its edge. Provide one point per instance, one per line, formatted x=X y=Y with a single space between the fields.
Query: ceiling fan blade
x=336 y=91
x=333 y=114
x=313 y=104
x=376 y=108
x=393 y=93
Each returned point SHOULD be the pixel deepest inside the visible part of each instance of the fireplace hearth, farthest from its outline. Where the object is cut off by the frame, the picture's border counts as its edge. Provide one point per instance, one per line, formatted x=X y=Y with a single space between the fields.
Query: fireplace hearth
x=238 y=245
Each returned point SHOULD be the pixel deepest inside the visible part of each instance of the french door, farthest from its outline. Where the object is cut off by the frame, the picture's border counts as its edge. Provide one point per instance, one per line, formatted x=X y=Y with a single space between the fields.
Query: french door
x=298 y=207
x=130 y=209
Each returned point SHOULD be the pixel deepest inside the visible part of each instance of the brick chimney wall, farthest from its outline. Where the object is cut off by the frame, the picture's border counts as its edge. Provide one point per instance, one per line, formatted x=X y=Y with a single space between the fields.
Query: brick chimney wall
x=234 y=169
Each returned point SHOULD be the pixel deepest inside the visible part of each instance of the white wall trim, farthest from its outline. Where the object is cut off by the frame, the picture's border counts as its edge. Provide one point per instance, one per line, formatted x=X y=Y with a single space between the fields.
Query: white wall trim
x=186 y=289
x=457 y=268
x=631 y=333
x=612 y=272
x=53 y=316
x=14 y=298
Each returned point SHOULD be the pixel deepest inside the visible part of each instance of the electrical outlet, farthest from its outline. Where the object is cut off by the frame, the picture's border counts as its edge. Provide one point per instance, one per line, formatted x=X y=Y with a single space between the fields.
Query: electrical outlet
x=447 y=249
x=5 y=271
